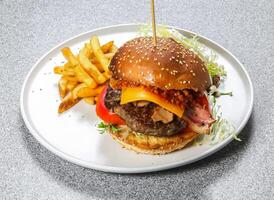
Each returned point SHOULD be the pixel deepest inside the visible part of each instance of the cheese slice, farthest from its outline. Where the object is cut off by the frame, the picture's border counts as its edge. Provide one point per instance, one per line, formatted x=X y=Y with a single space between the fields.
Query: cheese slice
x=131 y=94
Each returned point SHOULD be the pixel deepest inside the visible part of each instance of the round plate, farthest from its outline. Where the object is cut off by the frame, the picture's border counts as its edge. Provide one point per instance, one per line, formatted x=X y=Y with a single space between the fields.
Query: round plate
x=73 y=135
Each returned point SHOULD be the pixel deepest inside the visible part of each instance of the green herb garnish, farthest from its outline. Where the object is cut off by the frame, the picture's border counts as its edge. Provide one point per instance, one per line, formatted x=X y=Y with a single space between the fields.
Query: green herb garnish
x=103 y=128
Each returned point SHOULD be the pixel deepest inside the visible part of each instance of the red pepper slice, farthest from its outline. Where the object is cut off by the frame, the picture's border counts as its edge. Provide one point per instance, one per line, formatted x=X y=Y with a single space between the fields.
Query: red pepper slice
x=105 y=114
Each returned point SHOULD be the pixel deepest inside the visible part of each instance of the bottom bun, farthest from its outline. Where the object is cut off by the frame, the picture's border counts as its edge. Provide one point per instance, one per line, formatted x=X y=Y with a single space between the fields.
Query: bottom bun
x=152 y=144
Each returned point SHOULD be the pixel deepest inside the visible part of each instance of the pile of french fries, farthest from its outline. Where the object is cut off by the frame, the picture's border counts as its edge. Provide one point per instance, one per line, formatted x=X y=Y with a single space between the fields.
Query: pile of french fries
x=83 y=76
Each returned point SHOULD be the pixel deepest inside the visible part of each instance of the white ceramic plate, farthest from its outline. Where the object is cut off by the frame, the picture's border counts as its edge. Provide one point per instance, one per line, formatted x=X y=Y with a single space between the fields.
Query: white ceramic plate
x=74 y=136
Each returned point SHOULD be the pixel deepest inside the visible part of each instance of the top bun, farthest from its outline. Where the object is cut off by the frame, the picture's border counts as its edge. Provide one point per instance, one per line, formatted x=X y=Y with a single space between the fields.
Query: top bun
x=167 y=66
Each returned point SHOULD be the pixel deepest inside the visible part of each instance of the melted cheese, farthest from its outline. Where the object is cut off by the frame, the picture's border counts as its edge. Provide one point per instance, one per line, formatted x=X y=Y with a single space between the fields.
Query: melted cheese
x=131 y=94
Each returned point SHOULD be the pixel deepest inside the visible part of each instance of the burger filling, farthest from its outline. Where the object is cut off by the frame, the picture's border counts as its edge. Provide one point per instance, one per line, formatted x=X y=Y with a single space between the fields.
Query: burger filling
x=165 y=113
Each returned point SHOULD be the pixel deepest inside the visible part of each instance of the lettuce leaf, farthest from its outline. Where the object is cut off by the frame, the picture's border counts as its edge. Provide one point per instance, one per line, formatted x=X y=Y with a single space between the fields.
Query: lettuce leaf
x=221 y=128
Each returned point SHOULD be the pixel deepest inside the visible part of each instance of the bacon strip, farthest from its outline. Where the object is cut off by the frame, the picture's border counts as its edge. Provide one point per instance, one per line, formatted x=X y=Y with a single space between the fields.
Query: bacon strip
x=198 y=116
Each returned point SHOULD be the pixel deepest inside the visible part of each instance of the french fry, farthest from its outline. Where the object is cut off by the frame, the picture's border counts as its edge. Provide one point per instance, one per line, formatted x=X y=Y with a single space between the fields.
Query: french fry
x=70 y=57
x=62 y=85
x=76 y=90
x=67 y=103
x=83 y=76
x=58 y=70
x=109 y=55
x=113 y=49
x=96 y=99
x=100 y=88
x=89 y=92
x=95 y=60
x=95 y=45
x=90 y=68
x=89 y=53
x=63 y=71
x=71 y=85
x=98 y=66
x=107 y=47
x=88 y=46
x=68 y=66
x=71 y=78
x=107 y=74
x=89 y=100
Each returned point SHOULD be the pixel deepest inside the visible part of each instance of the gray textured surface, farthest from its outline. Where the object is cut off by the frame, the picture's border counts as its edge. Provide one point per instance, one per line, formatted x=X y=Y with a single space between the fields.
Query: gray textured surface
x=240 y=171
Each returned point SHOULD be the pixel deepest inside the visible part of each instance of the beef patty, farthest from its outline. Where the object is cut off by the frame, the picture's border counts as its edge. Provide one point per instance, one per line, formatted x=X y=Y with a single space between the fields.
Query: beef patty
x=139 y=118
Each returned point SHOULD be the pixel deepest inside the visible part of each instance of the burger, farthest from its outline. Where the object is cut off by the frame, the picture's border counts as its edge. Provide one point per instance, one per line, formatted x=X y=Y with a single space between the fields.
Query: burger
x=156 y=96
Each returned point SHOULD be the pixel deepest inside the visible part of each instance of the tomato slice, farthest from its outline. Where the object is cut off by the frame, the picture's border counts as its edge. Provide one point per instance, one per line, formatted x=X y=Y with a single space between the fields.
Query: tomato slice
x=105 y=114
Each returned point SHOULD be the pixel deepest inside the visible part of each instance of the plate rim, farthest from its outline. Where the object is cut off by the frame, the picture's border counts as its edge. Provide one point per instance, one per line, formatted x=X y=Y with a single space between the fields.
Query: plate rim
x=77 y=161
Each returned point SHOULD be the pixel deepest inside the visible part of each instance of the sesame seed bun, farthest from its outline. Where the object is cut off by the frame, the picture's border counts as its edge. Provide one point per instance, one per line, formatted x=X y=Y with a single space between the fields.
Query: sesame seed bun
x=152 y=144
x=169 y=65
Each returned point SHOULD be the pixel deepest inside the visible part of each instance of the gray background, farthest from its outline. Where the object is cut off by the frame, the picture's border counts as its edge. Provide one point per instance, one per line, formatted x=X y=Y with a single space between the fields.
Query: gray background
x=242 y=170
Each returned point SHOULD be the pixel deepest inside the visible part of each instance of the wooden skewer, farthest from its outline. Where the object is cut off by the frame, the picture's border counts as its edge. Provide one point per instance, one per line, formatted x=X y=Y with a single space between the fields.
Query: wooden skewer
x=153 y=23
